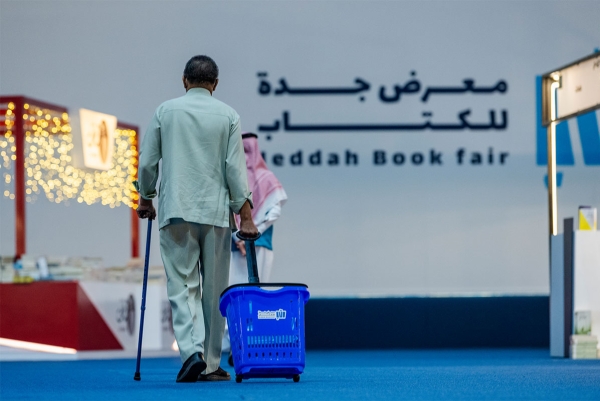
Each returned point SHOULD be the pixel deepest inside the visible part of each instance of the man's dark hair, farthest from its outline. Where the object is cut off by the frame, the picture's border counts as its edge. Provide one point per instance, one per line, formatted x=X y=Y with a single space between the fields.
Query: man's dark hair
x=200 y=70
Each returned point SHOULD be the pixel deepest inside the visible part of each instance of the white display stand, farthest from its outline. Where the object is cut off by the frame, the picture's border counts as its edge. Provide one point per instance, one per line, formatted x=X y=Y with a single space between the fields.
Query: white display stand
x=574 y=285
x=586 y=275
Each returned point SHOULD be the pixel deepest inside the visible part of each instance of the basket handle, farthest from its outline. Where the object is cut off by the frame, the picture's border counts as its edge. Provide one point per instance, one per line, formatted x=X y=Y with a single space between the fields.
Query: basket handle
x=250 y=257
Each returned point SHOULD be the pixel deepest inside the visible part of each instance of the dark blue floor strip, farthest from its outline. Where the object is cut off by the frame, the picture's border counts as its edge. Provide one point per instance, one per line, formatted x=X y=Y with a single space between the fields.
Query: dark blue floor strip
x=452 y=322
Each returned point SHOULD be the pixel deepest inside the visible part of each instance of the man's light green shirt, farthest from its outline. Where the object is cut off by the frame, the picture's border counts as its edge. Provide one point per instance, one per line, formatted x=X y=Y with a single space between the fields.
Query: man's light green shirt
x=203 y=176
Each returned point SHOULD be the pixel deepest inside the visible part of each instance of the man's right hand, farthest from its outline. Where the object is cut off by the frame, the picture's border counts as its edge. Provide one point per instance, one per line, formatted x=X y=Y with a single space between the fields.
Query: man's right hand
x=146 y=209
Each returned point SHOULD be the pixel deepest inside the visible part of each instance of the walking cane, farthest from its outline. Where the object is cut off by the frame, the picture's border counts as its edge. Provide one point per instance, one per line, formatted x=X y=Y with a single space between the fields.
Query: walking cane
x=137 y=376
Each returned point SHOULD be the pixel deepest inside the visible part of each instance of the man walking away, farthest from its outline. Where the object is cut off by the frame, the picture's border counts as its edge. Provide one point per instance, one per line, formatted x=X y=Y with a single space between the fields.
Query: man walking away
x=203 y=180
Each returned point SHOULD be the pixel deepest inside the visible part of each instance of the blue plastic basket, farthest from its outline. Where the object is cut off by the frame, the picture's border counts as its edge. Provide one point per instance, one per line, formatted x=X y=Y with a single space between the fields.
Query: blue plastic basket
x=266 y=329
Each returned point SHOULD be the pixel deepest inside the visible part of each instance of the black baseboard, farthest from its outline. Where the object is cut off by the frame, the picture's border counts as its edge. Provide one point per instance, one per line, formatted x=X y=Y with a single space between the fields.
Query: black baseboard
x=420 y=323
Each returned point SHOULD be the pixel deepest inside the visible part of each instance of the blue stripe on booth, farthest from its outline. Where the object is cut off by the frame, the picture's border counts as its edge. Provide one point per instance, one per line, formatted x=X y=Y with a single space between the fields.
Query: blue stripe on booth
x=590 y=138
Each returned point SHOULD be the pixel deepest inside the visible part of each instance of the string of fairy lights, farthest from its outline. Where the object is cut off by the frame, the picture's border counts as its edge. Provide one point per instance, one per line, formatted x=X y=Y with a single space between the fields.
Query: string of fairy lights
x=48 y=161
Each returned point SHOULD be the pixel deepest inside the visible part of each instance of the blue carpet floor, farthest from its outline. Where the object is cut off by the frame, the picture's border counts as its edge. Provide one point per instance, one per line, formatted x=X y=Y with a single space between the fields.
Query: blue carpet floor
x=342 y=375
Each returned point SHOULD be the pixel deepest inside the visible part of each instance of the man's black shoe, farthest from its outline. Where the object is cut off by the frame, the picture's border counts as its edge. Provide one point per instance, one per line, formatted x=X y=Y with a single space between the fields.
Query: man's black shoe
x=191 y=368
x=218 y=375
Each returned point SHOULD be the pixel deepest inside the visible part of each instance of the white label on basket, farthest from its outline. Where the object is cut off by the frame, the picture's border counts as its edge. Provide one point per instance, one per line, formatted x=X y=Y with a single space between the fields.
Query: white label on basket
x=272 y=314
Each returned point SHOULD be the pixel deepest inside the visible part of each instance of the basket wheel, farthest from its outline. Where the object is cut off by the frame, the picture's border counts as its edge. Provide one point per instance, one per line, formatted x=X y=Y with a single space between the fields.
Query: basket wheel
x=238 y=378
x=296 y=378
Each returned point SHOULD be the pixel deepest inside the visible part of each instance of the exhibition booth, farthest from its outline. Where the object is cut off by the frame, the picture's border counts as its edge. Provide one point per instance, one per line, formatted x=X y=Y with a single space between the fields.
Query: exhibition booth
x=572 y=92
x=66 y=304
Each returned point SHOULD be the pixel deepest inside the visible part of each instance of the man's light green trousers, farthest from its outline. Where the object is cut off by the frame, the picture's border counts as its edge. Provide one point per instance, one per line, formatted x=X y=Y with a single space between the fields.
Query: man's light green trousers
x=196 y=259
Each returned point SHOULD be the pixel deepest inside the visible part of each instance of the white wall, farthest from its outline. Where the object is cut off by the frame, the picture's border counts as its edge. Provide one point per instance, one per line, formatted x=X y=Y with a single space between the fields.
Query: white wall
x=347 y=230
